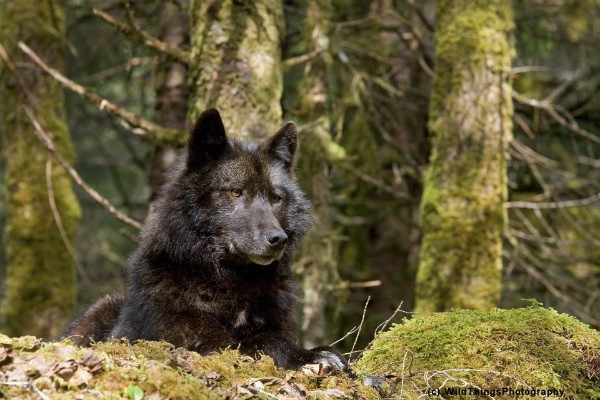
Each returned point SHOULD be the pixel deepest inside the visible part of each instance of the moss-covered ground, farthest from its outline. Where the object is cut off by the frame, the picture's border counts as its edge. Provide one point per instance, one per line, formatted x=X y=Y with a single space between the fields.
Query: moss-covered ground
x=31 y=369
x=497 y=350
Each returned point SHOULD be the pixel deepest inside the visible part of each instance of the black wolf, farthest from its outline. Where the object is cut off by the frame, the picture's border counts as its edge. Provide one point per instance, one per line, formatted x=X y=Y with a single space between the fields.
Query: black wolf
x=213 y=266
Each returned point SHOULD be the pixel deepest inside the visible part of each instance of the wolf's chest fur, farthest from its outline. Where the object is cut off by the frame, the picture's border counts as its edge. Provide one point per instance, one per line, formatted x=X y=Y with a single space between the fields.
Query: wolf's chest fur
x=243 y=308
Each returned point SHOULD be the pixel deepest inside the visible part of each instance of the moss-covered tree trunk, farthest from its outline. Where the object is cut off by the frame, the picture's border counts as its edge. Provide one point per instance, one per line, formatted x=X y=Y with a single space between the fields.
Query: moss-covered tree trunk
x=236 y=64
x=41 y=277
x=462 y=209
x=318 y=265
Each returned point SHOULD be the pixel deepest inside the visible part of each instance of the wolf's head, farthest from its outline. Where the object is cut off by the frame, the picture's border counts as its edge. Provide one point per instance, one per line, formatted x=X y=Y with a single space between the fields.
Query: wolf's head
x=237 y=200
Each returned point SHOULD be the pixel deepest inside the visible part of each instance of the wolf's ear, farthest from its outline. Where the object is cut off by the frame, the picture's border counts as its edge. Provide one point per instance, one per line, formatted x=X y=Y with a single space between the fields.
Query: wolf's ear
x=208 y=140
x=282 y=146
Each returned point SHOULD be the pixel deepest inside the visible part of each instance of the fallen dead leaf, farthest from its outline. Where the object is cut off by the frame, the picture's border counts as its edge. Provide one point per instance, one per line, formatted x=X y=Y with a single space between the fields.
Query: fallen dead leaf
x=214 y=375
x=312 y=370
x=267 y=381
x=81 y=377
x=5 y=354
x=66 y=352
x=64 y=369
x=91 y=361
x=19 y=372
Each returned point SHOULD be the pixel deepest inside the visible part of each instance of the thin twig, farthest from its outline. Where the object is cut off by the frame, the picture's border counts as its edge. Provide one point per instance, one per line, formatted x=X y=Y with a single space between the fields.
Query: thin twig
x=406 y=351
x=292 y=61
x=535 y=272
x=531 y=154
x=347 y=285
x=360 y=325
x=350 y=332
x=385 y=323
x=529 y=68
x=47 y=142
x=143 y=37
x=17 y=76
x=54 y=209
x=118 y=69
x=554 y=204
x=137 y=125
x=552 y=111
x=258 y=391
x=375 y=182
x=59 y=224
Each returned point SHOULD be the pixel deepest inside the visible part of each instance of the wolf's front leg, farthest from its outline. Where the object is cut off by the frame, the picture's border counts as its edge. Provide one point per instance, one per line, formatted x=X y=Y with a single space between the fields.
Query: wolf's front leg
x=288 y=355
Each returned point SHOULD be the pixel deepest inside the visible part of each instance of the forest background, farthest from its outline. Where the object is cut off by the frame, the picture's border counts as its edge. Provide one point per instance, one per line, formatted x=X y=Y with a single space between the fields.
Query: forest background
x=357 y=77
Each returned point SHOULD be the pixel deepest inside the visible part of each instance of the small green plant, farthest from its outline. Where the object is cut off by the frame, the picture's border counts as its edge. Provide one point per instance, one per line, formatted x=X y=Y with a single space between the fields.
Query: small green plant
x=135 y=392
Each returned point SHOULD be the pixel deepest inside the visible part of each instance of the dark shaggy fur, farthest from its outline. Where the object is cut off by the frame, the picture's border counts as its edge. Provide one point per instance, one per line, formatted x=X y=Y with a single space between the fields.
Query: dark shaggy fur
x=213 y=266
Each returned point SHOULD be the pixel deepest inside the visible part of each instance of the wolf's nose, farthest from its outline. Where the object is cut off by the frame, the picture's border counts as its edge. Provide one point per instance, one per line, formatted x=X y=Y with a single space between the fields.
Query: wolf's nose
x=276 y=237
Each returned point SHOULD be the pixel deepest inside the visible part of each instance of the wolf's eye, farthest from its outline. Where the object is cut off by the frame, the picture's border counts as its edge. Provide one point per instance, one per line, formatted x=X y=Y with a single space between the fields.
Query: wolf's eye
x=236 y=192
x=277 y=198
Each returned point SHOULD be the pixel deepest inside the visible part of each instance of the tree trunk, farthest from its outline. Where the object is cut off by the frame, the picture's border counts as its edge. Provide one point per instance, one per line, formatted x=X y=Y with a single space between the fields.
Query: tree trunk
x=41 y=279
x=171 y=92
x=236 y=64
x=462 y=209
x=318 y=265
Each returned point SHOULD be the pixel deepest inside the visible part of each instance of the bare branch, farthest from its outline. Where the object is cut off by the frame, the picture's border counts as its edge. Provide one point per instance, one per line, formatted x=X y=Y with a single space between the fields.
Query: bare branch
x=360 y=326
x=59 y=224
x=376 y=183
x=533 y=266
x=137 y=125
x=47 y=142
x=258 y=391
x=554 y=204
x=290 y=62
x=350 y=332
x=385 y=323
x=588 y=161
x=143 y=37
x=18 y=78
x=118 y=69
x=552 y=110
x=529 y=68
x=531 y=154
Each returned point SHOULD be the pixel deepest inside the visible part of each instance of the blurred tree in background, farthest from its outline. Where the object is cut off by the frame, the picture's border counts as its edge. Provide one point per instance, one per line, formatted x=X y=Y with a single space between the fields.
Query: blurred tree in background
x=357 y=78
x=470 y=121
x=42 y=211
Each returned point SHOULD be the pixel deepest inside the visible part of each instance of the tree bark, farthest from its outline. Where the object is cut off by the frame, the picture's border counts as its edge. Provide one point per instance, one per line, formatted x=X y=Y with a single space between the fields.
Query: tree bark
x=171 y=92
x=318 y=265
x=236 y=64
x=462 y=209
x=41 y=278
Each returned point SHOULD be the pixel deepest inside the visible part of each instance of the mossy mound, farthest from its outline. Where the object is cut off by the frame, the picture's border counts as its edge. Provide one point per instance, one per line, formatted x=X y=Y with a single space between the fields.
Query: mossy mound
x=499 y=350
x=30 y=368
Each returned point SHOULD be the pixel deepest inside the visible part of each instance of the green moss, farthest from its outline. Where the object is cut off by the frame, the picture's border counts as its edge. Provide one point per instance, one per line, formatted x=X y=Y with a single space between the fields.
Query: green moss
x=61 y=370
x=40 y=282
x=494 y=349
x=576 y=16
x=465 y=187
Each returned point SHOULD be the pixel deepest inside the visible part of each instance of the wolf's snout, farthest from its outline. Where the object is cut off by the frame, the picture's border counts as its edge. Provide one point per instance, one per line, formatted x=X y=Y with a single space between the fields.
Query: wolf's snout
x=276 y=238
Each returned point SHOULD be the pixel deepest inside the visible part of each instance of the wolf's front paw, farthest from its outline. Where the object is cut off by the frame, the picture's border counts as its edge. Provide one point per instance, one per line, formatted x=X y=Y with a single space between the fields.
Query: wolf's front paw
x=329 y=358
